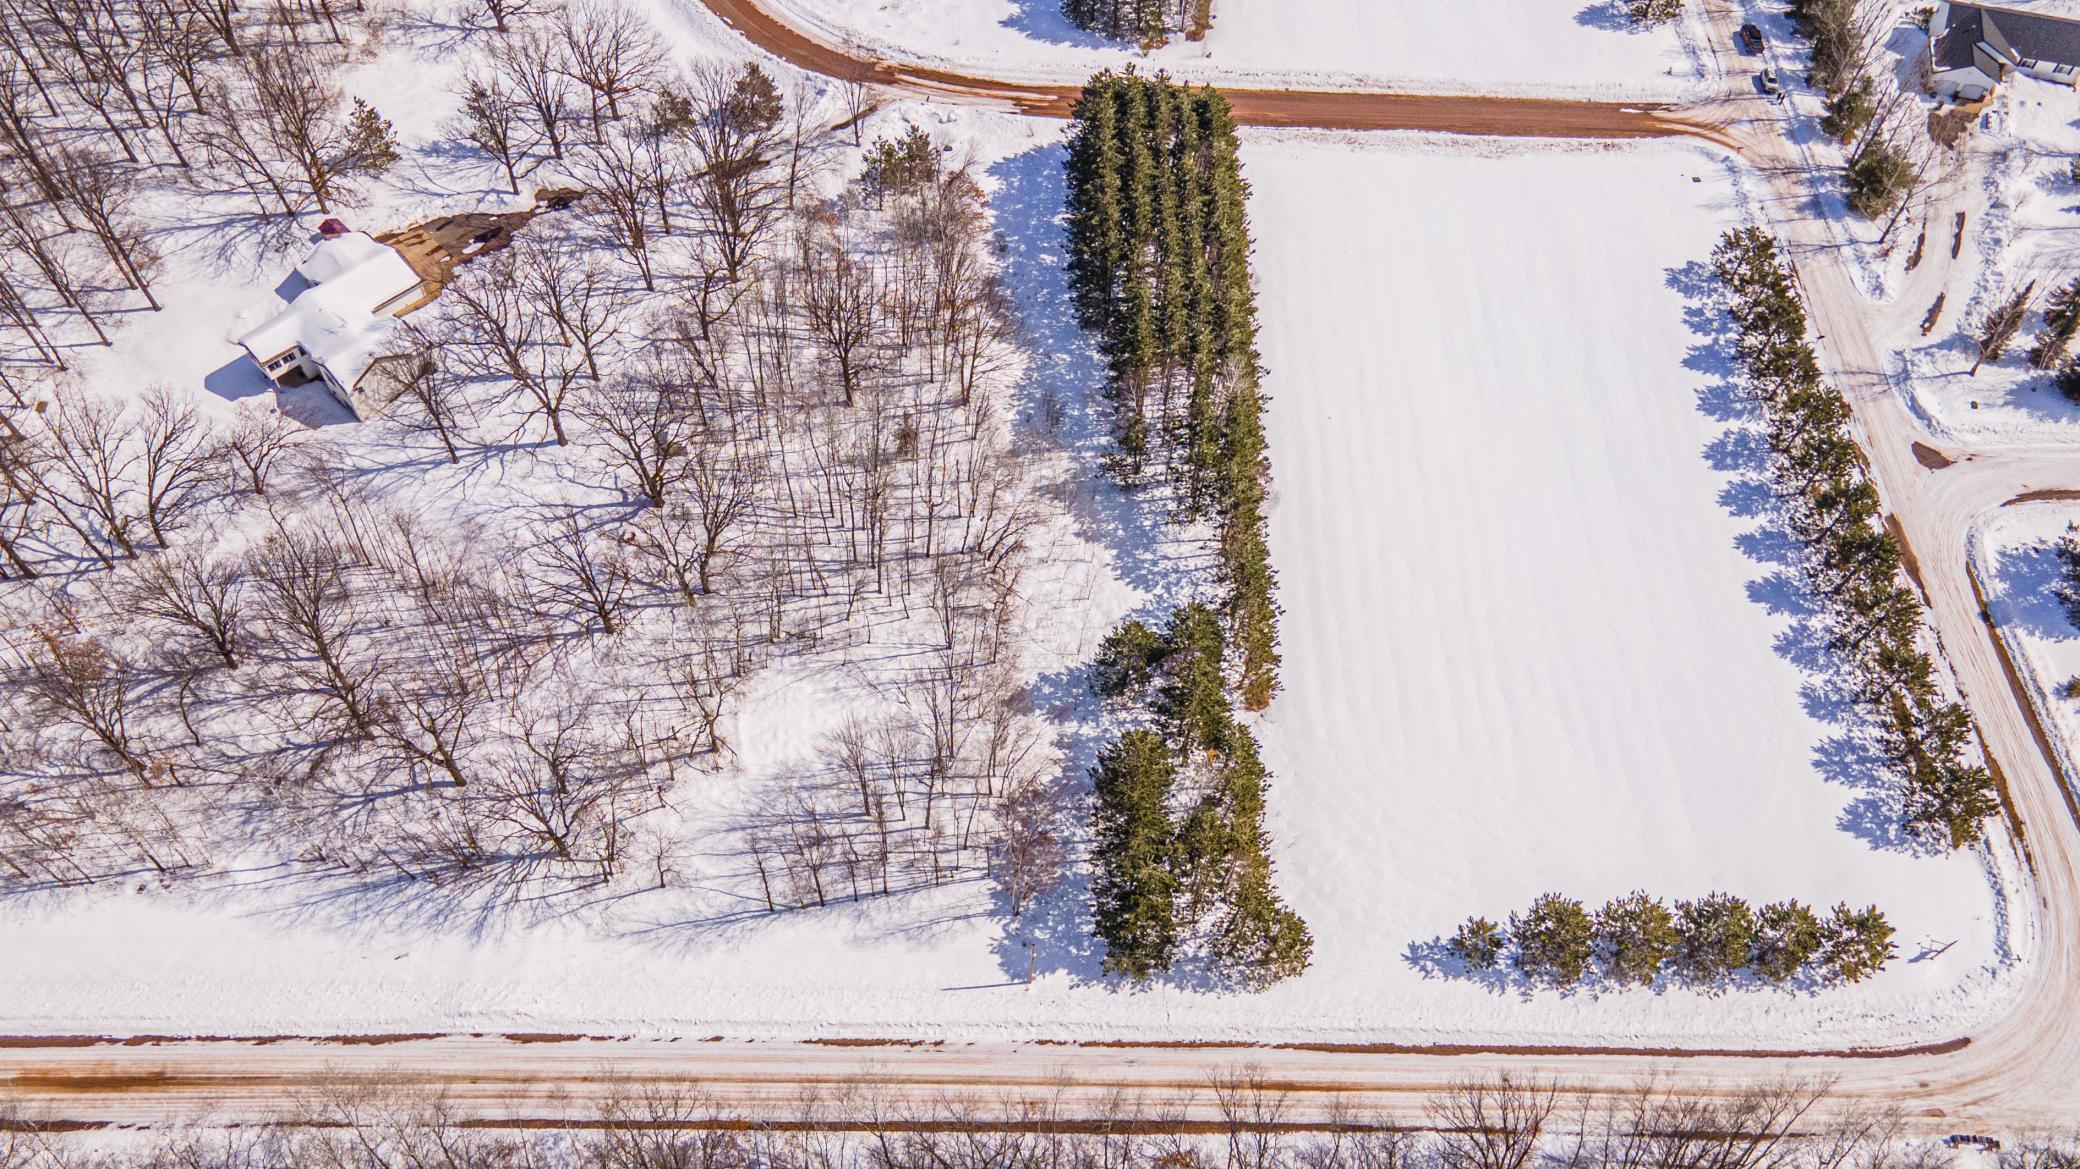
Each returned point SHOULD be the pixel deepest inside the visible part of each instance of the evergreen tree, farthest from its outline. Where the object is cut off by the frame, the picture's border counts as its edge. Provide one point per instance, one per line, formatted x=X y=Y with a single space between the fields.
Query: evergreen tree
x=2002 y=325
x=1478 y=943
x=1878 y=179
x=1193 y=698
x=1714 y=936
x=1555 y=940
x=2068 y=380
x=1787 y=936
x=370 y=143
x=1858 y=944
x=1134 y=888
x=1952 y=798
x=1096 y=235
x=900 y=166
x=2061 y=321
x=1850 y=111
x=1637 y=934
x=1127 y=659
x=2067 y=586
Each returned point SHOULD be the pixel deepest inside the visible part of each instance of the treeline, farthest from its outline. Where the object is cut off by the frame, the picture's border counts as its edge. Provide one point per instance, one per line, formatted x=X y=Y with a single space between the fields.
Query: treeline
x=1145 y=22
x=1852 y=565
x=1635 y=939
x=1159 y=265
x=1181 y=848
x=1249 y=1123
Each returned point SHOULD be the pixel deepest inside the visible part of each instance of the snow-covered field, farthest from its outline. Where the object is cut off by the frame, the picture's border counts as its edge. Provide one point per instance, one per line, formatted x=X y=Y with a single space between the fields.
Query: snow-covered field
x=1526 y=648
x=1574 y=47
x=1518 y=608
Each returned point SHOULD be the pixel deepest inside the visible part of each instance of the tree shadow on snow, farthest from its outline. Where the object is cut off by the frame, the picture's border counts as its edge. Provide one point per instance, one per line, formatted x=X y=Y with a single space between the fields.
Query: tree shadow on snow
x=2022 y=599
x=1847 y=755
x=1059 y=404
x=1607 y=16
x=1042 y=20
x=1434 y=959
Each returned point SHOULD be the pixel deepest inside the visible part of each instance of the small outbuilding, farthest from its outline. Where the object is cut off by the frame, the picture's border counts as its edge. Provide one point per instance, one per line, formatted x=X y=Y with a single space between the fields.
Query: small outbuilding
x=1972 y=48
x=341 y=325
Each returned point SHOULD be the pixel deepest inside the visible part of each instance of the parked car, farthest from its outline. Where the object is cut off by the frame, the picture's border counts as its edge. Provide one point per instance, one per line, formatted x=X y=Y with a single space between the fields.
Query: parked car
x=1751 y=39
x=1767 y=82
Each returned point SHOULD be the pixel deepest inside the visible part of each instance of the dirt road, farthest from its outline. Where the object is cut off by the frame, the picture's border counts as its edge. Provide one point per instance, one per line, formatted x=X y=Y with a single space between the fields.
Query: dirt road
x=1313 y=109
x=2018 y=1073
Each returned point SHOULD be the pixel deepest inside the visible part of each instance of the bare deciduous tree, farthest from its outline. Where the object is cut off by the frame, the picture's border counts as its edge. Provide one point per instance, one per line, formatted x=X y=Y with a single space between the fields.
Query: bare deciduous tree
x=260 y=435
x=608 y=51
x=584 y=577
x=316 y=623
x=196 y=596
x=1493 y=1124
x=178 y=456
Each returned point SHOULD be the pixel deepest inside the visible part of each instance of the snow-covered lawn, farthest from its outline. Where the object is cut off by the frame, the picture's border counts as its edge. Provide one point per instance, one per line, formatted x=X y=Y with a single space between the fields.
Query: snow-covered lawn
x=1574 y=47
x=1524 y=648
x=2014 y=554
x=2030 y=232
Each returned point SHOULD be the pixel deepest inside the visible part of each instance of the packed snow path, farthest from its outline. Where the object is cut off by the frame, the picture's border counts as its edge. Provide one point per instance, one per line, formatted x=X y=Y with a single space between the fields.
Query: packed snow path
x=2015 y=1073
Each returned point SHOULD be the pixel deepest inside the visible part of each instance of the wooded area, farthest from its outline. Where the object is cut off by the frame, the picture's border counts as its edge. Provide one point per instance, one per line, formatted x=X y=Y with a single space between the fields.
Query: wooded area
x=769 y=407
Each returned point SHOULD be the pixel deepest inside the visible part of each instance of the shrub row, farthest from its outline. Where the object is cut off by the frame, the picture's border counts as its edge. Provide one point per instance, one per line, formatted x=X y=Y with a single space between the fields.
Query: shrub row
x=1159 y=265
x=1636 y=938
x=1145 y=22
x=1852 y=565
x=1166 y=872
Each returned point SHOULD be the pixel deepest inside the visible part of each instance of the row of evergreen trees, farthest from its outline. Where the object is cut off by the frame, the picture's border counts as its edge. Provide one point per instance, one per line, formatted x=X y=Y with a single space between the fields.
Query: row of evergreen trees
x=1634 y=939
x=1181 y=852
x=1159 y=265
x=1145 y=22
x=1852 y=564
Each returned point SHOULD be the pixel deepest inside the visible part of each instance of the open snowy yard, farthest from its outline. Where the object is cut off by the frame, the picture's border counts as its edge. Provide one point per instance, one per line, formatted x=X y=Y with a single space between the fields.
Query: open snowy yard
x=2029 y=235
x=1575 y=47
x=1524 y=650
x=2014 y=552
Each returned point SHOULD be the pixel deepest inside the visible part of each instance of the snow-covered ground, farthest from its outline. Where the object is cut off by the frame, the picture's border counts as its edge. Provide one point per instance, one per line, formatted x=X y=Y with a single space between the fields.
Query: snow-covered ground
x=1582 y=48
x=1526 y=648
x=2014 y=554
x=1520 y=608
x=2030 y=232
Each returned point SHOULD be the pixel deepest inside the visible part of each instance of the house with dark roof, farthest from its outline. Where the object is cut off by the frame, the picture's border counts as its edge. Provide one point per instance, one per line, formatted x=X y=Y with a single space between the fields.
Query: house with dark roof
x=1972 y=48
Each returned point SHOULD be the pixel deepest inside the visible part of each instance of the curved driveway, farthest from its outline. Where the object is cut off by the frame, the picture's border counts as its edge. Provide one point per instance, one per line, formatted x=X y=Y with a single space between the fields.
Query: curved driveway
x=2019 y=1072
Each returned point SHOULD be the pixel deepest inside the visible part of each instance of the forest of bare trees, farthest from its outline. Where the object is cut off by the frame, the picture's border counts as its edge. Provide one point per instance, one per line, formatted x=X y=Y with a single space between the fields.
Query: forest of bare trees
x=761 y=416
x=1250 y=1123
x=110 y=108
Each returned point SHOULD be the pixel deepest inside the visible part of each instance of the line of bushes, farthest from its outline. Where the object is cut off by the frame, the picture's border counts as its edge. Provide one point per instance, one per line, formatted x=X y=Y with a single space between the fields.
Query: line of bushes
x=1180 y=847
x=1145 y=22
x=1852 y=564
x=1635 y=939
x=1158 y=247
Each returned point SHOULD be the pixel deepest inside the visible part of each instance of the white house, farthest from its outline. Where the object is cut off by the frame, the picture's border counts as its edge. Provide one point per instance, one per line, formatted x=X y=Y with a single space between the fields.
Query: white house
x=341 y=326
x=1974 y=47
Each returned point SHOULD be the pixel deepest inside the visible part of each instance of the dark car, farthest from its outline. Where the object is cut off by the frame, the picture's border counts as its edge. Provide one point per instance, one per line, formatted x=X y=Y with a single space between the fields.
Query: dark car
x=1751 y=39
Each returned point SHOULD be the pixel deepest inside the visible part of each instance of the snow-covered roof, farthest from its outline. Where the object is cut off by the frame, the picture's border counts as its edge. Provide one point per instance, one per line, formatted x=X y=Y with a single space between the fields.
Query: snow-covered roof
x=334 y=318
